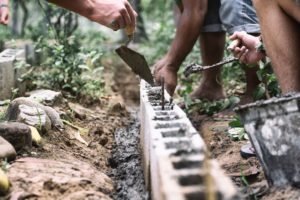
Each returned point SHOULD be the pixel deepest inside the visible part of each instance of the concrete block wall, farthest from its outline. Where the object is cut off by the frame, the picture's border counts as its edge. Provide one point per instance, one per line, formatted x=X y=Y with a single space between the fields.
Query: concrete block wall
x=174 y=155
x=8 y=73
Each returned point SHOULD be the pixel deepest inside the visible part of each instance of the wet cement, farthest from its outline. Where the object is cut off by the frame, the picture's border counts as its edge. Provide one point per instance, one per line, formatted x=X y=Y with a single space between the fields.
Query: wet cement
x=126 y=164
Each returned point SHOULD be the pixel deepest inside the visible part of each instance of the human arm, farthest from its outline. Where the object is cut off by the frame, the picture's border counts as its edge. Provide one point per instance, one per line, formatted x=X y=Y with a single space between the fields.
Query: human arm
x=115 y=14
x=246 y=49
x=4 y=12
x=188 y=30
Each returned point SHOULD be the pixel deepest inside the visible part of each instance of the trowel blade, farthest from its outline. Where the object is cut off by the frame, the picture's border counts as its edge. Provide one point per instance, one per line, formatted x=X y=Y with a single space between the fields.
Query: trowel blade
x=136 y=62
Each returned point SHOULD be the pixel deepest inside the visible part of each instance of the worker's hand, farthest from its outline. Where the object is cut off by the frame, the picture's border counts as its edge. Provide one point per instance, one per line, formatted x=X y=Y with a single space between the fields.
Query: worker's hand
x=115 y=14
x=245 y=49
x=164 y=68
x=4 y=12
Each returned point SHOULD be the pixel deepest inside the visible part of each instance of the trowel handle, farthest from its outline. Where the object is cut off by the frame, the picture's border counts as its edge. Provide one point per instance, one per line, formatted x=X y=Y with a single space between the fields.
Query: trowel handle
x=129 y=30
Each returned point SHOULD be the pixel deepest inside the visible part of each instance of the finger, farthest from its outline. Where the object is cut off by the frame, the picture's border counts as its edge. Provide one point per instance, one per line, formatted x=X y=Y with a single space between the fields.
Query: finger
x=121 y=22
x=126 y=17
x=236 y=51
x=233 y=44
x=242 y=51
x=132 y=14
x=233 y=36
x=243 y=57
x=237 y=35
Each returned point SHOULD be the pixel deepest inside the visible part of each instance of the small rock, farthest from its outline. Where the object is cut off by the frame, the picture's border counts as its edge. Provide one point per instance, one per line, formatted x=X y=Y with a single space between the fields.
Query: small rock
x=35 y=117
x=17 y=134
x=46 y=97
x=7 y=151
x=117 y=107
x=96 y=130
x=79 y=111
x=13 y=111
x=103 y=140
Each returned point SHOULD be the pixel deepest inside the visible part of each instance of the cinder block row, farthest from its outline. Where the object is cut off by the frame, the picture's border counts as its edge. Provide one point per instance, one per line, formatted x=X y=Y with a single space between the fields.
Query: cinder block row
x=174 y=155
x=9 y=73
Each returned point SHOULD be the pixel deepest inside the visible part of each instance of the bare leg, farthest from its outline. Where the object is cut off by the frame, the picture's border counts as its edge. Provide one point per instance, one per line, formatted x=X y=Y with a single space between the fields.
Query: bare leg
x=252 y=83
x=212 y=51
x=281 y=36
x=290 y=8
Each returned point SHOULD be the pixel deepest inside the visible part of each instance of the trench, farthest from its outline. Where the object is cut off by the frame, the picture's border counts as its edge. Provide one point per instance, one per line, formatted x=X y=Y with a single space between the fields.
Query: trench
x=126 y=154
x=126 y=163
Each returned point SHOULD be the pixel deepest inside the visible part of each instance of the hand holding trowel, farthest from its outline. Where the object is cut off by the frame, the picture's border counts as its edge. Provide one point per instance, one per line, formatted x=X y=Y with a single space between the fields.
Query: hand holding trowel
x=133 y=59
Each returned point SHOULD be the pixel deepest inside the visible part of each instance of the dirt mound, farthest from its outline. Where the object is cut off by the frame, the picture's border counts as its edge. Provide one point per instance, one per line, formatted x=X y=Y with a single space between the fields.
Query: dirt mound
x=35 y=178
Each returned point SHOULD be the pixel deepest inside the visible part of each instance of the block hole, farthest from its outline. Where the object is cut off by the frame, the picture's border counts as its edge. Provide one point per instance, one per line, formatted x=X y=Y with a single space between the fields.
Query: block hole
x=166 y=118
x=201 y=195
x=187 y=164
x=195 y=196
x=174 y=133
x=159 y=108
x=178 y=145
x=155 y=98
x=190 y=180
x=186 y=152
x=164 y=113
x=168 y=125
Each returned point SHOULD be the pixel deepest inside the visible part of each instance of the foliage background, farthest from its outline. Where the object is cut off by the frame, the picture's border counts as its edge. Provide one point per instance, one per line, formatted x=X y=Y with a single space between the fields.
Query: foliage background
x=71 y=51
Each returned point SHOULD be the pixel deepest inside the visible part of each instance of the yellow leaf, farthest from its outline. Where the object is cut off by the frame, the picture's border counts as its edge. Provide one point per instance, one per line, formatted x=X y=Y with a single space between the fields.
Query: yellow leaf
x=36 y=137
x=4 y=183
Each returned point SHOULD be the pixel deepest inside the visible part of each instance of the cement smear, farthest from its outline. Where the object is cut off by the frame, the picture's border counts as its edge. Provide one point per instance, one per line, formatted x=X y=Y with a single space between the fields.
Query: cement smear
x=127 y=164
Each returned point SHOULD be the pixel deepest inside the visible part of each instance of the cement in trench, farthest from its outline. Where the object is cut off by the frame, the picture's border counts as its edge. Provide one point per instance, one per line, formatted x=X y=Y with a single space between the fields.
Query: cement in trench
x=126 y=163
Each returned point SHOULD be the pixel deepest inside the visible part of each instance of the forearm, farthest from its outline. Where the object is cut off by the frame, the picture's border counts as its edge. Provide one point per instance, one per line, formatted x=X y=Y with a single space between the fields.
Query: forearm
x=78 y=6
x=187 y=33
x=4 y=2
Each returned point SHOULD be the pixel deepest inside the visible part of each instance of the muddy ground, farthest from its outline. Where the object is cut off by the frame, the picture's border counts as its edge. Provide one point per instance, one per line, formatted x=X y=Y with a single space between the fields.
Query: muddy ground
x=106 y=163
x=87 y=163
x=247 y=174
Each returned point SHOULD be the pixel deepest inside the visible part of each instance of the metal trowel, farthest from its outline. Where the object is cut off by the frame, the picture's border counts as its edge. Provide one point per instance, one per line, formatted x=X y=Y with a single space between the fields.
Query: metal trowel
x=134 y=60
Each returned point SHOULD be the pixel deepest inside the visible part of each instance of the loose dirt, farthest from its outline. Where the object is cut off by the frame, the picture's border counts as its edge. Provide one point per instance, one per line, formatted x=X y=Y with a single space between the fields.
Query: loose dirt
x=76 y=162
x=126 y=163
x=247 y=174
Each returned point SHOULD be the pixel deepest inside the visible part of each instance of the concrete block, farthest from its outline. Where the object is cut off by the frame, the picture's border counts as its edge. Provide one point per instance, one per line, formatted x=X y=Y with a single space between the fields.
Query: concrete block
x=9 y=74
x=174 y=153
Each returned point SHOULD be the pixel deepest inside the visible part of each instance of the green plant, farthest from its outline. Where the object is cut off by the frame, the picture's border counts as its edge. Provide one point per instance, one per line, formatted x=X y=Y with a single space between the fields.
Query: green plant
x=4 y=165
x=269 y=85
x=251 y=194
x=209 y=107
x=2 y=116
x=68 y=67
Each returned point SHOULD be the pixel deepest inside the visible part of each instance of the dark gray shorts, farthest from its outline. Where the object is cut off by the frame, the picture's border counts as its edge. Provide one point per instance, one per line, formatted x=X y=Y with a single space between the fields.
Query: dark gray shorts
x=231 y=16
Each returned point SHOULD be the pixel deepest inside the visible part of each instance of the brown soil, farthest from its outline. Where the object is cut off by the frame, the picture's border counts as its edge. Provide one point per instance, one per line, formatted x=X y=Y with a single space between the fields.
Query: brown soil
x=69 y=165
x=227 y=153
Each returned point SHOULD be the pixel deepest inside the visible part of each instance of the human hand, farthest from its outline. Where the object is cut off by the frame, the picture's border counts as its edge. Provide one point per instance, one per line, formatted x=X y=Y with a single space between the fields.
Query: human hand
x=114 y=14
x=4 y=12
x=246 y=48
x=165 y=69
